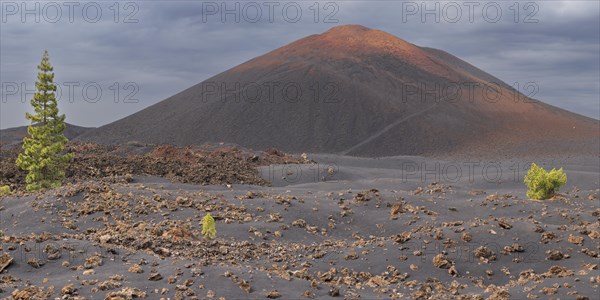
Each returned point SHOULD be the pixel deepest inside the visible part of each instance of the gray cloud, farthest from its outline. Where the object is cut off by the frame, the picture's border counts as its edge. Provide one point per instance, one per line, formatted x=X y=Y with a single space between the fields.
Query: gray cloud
x=171 y=47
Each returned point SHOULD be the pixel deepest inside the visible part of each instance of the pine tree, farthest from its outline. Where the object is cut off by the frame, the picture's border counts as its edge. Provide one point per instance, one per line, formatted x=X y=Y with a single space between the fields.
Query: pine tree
x=43 y=154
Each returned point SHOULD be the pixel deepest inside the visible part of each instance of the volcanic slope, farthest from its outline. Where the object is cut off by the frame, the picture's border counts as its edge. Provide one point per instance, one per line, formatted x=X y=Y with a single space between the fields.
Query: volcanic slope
x=358 y=91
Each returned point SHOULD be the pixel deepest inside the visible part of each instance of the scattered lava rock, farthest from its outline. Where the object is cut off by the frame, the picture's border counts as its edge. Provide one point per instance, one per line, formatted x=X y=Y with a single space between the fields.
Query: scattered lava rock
x=366 y=195
x=52 y=251
x=136 y=268
x=515 y=247
x=68 y=289
x=5 y=261
x=466 y=237
x=577 y=240
x=274 y=294
x=484 y=253
x=126 y=293
x=441 y=261
x=154 y=276
x=504 y=224
x=93 y=261
x=555 y=255
x=35 y=262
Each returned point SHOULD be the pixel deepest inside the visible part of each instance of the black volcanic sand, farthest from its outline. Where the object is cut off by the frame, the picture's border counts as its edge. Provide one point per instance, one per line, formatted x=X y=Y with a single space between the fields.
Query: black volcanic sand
x=345 y=227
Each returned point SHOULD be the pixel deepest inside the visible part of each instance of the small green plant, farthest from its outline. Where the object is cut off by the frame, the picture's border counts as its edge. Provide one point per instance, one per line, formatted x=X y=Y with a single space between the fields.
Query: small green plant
x=208 y=227
x=4 y=190
x=543 y=185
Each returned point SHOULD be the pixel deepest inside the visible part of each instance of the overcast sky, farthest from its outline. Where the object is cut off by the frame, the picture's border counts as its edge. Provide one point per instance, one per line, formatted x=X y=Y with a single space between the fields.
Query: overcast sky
x=150 y=50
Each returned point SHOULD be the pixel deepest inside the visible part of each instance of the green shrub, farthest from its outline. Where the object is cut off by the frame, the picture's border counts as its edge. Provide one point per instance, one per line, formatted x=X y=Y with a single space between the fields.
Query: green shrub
x=208 y=227
x=4 y=190
x=543 y=185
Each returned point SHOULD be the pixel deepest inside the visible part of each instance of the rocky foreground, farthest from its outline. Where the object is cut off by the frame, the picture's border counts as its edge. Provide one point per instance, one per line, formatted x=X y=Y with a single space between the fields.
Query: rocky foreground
x=207 y=164
x=339 y=228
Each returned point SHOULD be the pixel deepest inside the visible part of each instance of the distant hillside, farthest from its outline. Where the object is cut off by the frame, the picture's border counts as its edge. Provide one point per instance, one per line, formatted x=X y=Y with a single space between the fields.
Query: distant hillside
x=15 y=135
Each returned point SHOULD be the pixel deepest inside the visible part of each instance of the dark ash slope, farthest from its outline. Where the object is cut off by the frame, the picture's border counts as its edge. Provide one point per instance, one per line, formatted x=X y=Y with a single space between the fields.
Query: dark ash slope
x=373 y=100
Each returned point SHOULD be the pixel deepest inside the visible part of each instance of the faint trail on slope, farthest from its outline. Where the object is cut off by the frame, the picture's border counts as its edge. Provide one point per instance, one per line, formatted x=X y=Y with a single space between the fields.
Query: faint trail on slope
x=386 y=129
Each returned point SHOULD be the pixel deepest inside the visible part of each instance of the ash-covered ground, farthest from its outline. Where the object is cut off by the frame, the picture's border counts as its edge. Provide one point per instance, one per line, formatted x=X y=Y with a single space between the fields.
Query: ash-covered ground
x=341 y=227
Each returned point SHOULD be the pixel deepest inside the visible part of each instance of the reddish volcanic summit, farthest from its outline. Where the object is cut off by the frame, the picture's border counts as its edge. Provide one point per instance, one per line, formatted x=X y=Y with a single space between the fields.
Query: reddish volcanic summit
x=355 y=42
x=358 y=91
